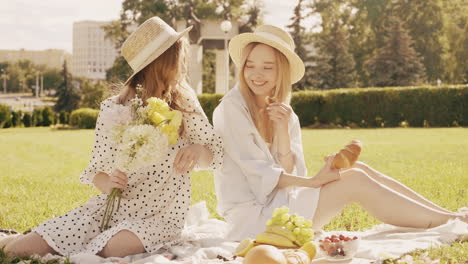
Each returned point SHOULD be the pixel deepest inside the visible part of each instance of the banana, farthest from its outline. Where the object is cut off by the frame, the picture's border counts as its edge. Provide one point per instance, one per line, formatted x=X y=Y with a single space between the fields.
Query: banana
x=282 y=231
x=274 y=239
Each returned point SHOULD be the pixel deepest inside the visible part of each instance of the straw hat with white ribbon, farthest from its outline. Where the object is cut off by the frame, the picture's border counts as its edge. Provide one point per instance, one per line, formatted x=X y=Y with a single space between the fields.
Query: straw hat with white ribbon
x=274 y=37
x=148 y=42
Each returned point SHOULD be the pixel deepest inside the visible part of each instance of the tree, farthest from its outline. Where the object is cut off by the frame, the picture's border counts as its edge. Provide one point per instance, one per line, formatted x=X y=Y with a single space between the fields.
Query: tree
x=426 y=23
x=298 y=34
x=68 y=99
x=252 y=16
x=457 y=34
x=334 y=65
x=92 y=93
x=396 y=63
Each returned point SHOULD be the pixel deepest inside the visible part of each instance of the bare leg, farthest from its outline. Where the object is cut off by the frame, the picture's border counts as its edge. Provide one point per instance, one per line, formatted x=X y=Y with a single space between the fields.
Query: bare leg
x=383 y=203
x=122 y=244
x=397 y=186
x=27 y=245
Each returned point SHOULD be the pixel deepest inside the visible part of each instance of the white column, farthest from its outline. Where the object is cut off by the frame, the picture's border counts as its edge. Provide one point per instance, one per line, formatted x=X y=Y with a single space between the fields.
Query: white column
x=195 y=68
x=221 y=73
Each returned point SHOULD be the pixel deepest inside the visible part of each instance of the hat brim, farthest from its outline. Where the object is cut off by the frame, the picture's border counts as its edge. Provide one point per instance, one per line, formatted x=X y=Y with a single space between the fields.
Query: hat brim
x=238 y=43
x=160 y=50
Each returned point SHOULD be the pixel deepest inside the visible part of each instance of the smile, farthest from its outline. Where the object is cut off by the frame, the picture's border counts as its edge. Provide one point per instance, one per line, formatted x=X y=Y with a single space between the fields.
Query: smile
x=259 y=83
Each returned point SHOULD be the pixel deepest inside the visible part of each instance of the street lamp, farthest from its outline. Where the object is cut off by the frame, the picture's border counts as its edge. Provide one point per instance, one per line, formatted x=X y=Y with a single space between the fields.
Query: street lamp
x=226 y=27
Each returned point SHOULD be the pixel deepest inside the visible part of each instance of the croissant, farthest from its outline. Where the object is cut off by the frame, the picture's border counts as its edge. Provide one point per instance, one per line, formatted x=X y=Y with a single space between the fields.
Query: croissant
x=347 y=156
x=270 y=100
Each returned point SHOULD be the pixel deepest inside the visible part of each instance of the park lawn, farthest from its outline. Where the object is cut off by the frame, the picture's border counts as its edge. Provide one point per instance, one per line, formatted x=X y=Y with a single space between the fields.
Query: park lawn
x=40 y=167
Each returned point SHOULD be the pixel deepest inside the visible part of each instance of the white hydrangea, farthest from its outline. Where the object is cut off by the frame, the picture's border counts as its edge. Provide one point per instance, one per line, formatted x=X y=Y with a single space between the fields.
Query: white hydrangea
x=139 y=146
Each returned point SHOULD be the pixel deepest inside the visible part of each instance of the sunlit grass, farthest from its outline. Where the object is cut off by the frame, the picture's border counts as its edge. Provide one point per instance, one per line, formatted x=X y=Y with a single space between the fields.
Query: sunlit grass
x=39 y=172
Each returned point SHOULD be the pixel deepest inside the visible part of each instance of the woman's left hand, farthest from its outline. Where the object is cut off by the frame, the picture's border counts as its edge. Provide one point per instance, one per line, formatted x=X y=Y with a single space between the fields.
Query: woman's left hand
x=279 y=113
x=187 y=158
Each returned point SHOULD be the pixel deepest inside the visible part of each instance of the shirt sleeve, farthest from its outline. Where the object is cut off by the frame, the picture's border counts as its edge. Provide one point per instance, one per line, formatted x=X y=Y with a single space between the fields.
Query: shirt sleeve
x=102 y=157
x=198 y=130
x=237 y=131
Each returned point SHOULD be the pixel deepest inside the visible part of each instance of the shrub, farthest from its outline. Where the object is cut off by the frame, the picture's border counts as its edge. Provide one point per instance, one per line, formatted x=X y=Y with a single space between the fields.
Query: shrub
x=27 y=119
x=84 y=118
x=209 y=103
x=47 y=116
x=64 y=117
x=5 y=116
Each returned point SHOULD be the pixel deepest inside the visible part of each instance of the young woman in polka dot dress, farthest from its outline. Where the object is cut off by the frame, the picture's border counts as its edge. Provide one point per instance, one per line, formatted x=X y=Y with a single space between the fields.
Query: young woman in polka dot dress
x=156 y=198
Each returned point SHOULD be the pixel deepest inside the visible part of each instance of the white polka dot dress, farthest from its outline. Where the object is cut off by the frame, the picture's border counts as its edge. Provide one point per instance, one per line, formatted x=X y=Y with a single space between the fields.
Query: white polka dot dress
x=153 y=206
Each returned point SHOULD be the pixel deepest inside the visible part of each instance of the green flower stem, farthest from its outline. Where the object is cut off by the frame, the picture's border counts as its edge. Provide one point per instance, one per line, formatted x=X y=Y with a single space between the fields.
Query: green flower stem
x=110 y=206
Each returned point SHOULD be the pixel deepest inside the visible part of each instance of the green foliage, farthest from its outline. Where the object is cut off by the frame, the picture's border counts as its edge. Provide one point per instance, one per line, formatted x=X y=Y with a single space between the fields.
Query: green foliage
x=209 y=103
x=68 y=99
x=396 y=63
x=16 y=118
x=27 y=120
x=376 y=107
x=84 y=118
x=209 y=71
x=119 y=72
x=64 y=117
x=93 y=93
x=5 y=115
x=334 y=65
x=37 y=117
x=48 y=116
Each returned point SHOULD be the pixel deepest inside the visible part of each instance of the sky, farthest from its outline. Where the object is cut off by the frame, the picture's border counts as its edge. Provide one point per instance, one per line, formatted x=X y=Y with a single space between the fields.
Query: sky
x=48 y=24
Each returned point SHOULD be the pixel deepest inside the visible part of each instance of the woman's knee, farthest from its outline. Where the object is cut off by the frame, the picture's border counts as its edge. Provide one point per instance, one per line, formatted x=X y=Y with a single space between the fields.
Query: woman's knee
x=355 y=177
x=122 y=244
x=29 y=244
x=361 y=165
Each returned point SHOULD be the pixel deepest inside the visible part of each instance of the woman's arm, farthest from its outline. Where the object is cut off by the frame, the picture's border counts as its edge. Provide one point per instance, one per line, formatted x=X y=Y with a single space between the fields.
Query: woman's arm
x=285 y=155
x=280 y=114
x=192 y=155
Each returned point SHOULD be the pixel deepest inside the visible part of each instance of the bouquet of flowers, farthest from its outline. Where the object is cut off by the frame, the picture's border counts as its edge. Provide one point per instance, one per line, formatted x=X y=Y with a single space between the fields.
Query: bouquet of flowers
x=142 y=141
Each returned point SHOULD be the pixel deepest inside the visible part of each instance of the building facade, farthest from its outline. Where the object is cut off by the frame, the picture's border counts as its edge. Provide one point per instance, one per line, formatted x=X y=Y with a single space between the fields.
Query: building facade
x=93 y=53
x=52 y=58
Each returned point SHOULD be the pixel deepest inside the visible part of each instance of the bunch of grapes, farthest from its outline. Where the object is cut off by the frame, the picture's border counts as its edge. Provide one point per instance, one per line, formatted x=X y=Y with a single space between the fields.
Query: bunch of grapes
x=300 y=229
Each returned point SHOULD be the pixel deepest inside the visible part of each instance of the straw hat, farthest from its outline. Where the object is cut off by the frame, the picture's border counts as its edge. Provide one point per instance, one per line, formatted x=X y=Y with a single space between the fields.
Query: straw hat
x=148 y=42
x=274 y=37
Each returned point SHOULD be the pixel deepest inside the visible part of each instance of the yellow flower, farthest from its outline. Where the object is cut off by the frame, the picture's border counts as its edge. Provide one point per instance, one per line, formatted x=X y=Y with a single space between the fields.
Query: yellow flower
x=157 y=105
x=156 y=117
x=176 y=118
x=171 y=132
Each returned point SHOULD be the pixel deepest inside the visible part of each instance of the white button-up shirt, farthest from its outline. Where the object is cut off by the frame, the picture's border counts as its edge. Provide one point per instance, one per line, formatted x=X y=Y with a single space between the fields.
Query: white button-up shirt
x=246 y=184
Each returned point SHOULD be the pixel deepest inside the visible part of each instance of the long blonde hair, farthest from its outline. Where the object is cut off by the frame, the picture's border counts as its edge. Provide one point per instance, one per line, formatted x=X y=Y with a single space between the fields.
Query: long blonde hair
x=282 y=89
x=164 y=78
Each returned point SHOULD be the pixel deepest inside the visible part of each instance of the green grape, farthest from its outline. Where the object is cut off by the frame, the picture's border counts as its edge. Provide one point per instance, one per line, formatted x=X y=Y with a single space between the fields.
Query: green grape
x=289 y=226
x=296 y=231
x=285 y=217
x=299 y=221
x=308 y=224
x=293 y=217
x=269 y=222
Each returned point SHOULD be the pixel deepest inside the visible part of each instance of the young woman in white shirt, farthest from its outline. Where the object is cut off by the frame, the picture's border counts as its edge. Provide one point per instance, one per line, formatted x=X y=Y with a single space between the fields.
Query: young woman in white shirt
x=264 y=165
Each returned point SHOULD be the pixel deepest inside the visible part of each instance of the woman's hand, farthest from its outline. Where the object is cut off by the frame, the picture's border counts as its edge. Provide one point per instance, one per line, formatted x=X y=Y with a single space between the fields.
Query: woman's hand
x=188 y=157
x=326 y=174
x=105 y=183
x=279 y=113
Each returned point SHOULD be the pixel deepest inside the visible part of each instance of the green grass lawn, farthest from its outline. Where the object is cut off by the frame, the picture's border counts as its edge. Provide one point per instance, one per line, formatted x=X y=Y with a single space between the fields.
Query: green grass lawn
x=39 y=172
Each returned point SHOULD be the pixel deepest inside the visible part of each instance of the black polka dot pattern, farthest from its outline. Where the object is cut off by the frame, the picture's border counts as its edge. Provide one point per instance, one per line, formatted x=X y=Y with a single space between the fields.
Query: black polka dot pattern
x=155 y=202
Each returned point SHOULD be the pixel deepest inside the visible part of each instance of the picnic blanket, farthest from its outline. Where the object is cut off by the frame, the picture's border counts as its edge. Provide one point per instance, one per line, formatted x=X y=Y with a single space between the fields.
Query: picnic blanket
x=205 y=243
